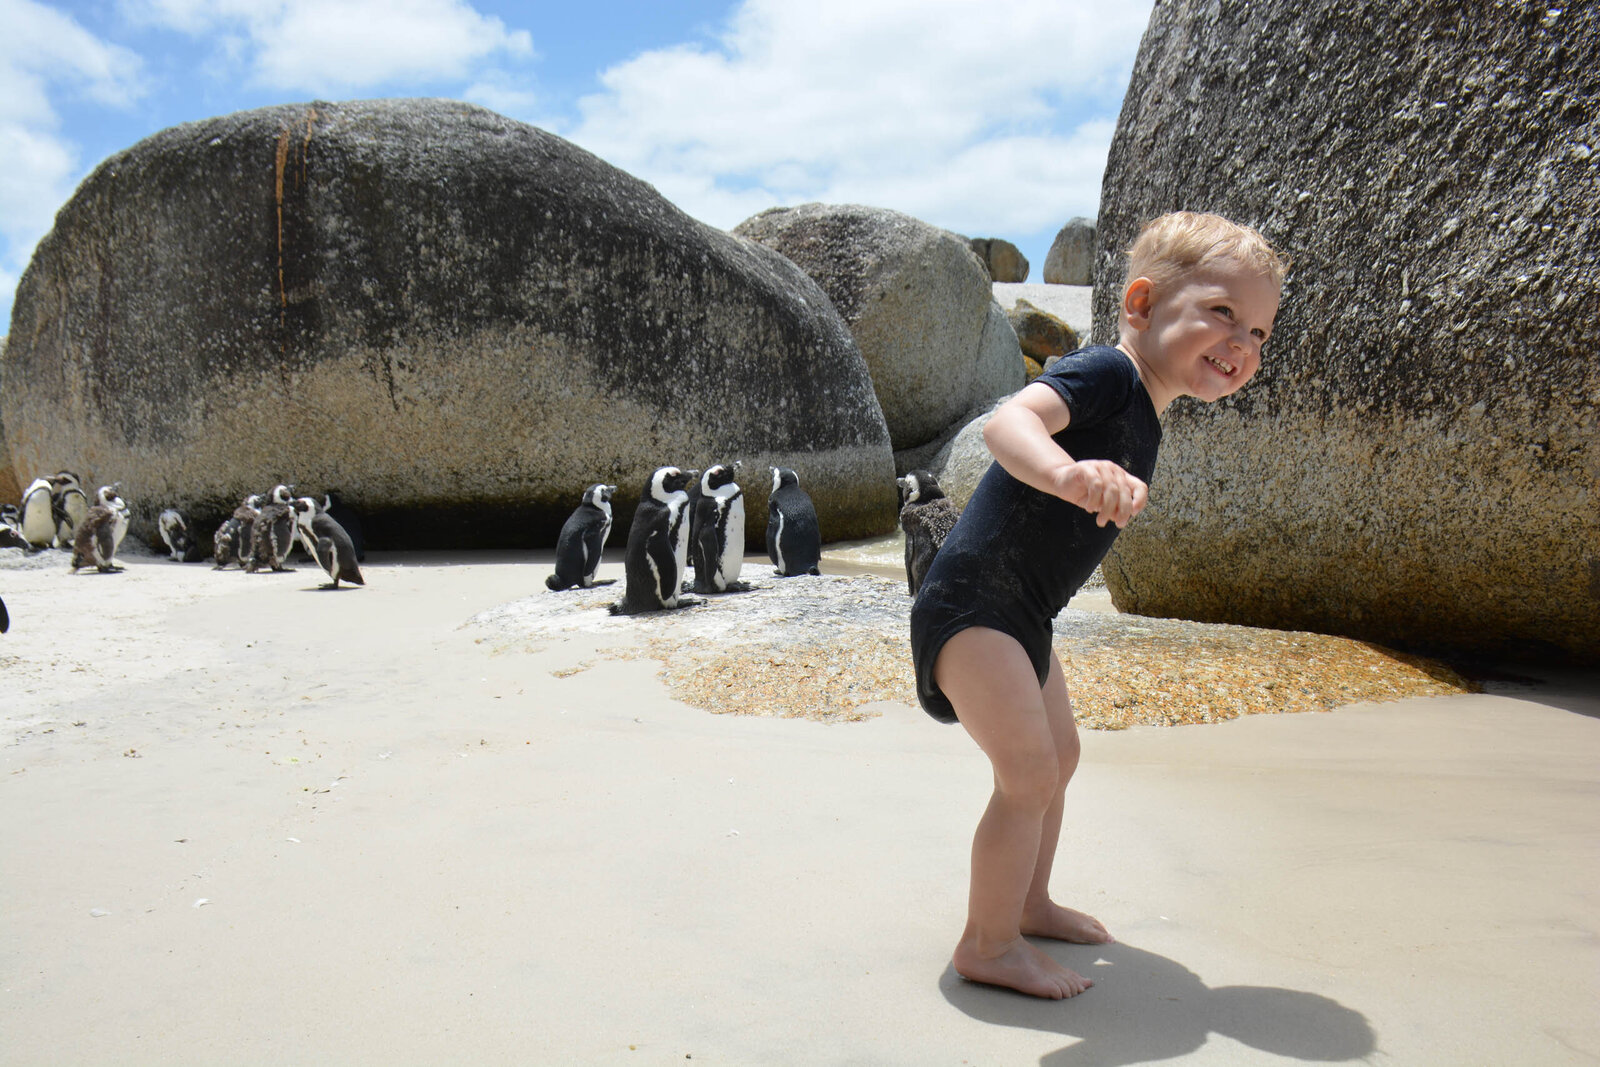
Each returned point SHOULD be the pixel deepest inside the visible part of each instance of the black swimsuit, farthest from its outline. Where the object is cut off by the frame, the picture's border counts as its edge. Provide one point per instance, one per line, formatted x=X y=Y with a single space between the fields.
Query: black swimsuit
x=1018 y=555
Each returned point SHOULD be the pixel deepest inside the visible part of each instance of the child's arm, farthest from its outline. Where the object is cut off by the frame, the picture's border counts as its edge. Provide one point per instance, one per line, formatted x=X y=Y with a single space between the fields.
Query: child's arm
x=1018 y=434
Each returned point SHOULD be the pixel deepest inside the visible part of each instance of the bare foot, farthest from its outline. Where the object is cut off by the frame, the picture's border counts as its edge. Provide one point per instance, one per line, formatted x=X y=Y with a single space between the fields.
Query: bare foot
x=1021 y=967
x=1052 y=920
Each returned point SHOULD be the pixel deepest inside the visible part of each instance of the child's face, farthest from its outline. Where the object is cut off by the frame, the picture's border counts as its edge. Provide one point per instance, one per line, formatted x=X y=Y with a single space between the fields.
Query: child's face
x=1203 y=337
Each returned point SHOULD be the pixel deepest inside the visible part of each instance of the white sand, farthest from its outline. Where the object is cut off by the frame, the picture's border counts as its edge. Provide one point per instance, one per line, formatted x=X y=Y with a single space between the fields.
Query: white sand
x=249 y=822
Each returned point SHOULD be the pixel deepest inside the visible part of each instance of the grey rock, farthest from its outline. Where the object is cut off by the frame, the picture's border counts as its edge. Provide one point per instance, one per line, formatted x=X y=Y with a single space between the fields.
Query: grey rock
x=1417 y=462
x=916 y=299
x=458 y=319
x=1070 y=260
x=964 y=459
x=1003 y=260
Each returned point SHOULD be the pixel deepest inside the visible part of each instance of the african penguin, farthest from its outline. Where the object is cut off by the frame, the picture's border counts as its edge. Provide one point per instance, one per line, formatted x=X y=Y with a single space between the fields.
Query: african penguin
x=11 y=528
x=5 y=620
x=347 y=517
x=658 y=544
x=38 y=519
x=273 y=533
x=718 y=533
x=101 y=532
x=174 y=531
x=326 y=542
x=232 y=541
x=927 y=516
x=582 y=538
x=68 y=506
x=794 y=540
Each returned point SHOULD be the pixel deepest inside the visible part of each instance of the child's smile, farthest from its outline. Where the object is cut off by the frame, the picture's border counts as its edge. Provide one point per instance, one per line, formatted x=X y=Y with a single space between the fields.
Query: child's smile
x=1203 y=336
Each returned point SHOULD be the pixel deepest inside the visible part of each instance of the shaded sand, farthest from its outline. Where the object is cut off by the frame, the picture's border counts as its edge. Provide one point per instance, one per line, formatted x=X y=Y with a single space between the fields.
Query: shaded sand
x=248 y=821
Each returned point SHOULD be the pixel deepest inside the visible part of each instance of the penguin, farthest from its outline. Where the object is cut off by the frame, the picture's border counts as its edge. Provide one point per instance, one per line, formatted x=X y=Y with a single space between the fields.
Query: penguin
x=272 y=535
x=927 y=516
x=794 y=540
x=5 y=620
x=38 y=520
x=11 y=528
x=174 y=531
x=101 y=532
x=582 y=538
x=346 y=517
x=232 y=541
x=68 y=506
x=658 y=544
x=718 y=532
x=326 y=542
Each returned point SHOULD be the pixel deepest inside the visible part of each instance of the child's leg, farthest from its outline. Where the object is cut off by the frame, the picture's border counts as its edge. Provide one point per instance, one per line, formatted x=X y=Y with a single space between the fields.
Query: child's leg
x=988 y=678
x=1041 y=916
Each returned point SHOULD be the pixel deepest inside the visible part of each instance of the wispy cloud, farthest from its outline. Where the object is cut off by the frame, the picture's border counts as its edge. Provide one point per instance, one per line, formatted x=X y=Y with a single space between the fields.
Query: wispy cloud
x=334 y=47
x=969 y=115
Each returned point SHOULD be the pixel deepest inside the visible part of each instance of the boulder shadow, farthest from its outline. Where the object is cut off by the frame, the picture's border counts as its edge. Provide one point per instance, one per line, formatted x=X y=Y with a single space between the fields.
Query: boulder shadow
x=1144 y=1007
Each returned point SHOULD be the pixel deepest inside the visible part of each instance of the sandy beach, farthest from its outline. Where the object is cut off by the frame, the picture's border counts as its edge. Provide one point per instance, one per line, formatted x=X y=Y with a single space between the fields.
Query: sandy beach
x=251 y=821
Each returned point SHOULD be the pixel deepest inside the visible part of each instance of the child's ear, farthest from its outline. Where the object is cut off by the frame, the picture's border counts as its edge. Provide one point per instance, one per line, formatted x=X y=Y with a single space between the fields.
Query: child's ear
x=1136 y=302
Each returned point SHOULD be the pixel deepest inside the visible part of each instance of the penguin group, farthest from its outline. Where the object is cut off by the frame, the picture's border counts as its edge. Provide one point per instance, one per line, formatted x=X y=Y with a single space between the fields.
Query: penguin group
x=686 y=517
x=51 y=511
x=265 y=527
x=55 y=512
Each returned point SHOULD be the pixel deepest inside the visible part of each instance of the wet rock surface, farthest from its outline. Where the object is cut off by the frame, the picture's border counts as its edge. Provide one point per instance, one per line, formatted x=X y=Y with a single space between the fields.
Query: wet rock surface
x=830 y=647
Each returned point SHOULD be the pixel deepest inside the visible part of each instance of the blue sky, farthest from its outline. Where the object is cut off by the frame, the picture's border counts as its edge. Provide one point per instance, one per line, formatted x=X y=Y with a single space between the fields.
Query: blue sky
x=990 y=119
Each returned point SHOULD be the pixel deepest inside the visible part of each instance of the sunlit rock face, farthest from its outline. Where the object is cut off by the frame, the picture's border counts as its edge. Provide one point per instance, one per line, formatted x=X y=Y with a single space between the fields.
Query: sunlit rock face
x=457 y=320
x=1417 y=460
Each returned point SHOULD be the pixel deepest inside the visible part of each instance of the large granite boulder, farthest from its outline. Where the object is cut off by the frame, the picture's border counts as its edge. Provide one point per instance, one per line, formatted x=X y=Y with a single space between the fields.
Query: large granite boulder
x=1417 y=461
x=918 y=302
x=1070 y=260
x=458 y=320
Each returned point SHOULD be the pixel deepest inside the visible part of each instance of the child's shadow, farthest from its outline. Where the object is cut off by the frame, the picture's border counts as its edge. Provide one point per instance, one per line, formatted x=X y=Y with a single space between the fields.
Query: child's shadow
x=1145 y=1007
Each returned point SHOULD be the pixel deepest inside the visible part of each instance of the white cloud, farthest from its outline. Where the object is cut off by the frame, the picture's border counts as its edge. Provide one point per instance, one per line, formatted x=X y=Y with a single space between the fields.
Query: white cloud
x=335 y=47
x=981 y=117
x=44 y=53
x=498 y=91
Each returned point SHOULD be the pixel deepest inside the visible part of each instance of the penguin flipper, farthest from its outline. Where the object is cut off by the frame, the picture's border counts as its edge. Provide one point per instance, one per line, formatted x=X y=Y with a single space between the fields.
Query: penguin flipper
x=5 y=620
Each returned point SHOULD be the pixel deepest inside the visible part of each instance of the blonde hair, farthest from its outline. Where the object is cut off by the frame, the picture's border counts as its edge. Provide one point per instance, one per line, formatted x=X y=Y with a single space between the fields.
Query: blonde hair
x=1178 y=244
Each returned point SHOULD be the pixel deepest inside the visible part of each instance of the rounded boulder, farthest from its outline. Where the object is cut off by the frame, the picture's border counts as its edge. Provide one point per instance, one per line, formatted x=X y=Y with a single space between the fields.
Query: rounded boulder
x=918 y=302
x=457 y=319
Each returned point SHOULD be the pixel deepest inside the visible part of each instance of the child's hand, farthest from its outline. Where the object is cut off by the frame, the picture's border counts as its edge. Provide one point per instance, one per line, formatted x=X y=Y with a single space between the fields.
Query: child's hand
x=1103 y=489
